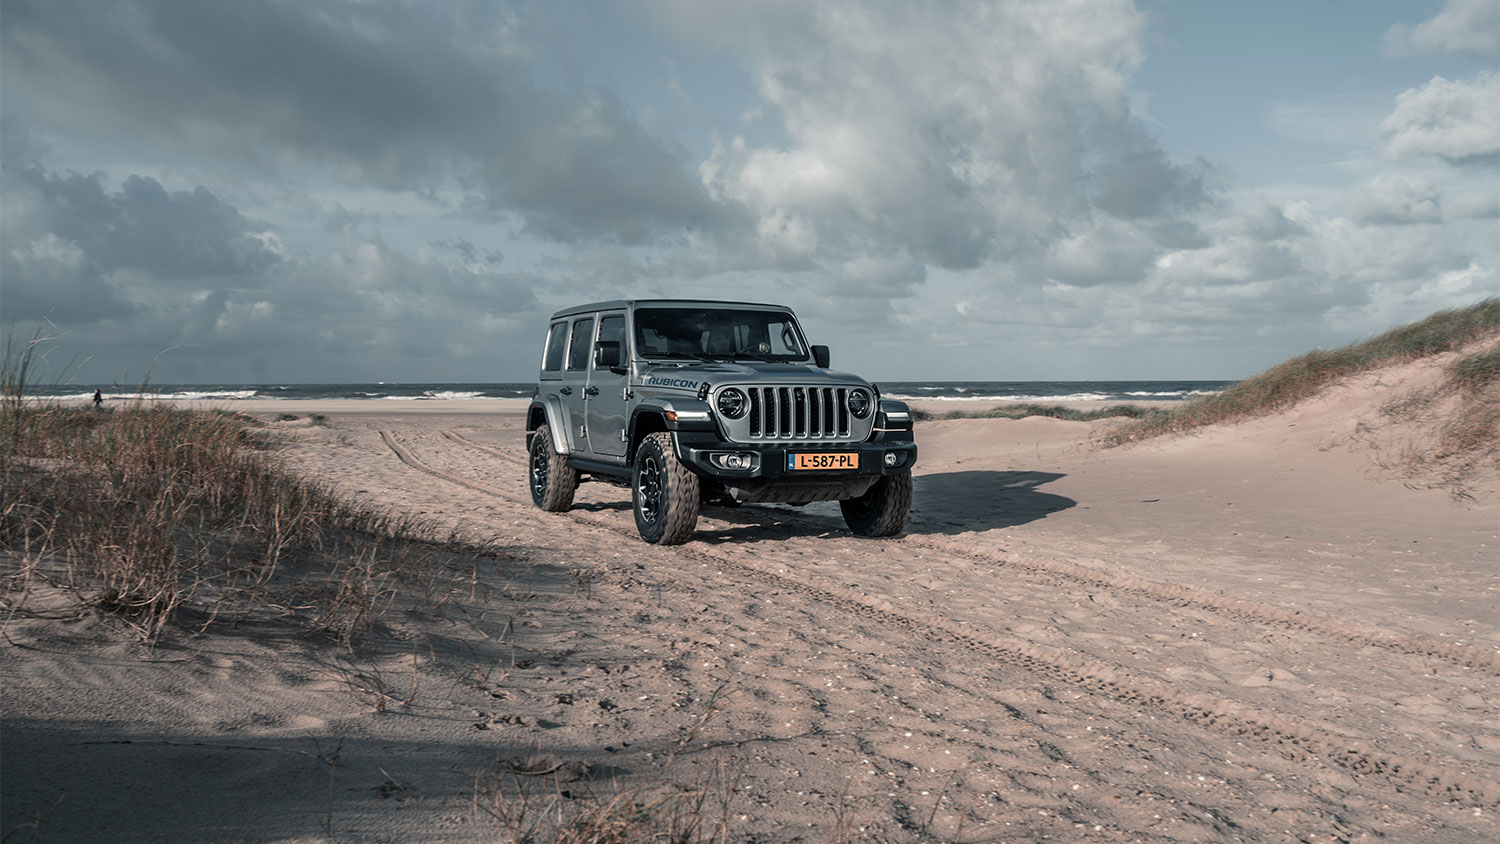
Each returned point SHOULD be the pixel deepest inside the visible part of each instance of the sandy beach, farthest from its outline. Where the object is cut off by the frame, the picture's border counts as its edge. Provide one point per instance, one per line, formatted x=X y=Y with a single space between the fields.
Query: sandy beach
x=1255 y=633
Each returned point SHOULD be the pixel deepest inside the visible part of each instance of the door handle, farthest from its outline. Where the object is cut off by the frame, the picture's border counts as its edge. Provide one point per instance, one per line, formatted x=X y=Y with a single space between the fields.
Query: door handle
x=567 y=391
x=591 y=391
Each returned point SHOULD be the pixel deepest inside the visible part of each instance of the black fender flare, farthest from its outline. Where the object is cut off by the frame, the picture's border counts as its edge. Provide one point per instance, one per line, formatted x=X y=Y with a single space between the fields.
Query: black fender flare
x=552 y=415
x=666 y=413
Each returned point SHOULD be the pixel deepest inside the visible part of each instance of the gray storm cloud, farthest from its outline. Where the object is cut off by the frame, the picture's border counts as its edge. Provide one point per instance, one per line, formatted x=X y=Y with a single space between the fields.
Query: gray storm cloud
x=63 y=235
x=385 y=94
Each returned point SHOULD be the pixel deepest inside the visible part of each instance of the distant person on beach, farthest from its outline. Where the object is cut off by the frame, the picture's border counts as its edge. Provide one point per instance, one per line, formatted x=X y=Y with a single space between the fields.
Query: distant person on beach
x=98 y=398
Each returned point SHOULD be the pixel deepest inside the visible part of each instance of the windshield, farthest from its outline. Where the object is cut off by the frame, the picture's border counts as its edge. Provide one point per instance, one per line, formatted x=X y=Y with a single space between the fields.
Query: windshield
x=711 y=333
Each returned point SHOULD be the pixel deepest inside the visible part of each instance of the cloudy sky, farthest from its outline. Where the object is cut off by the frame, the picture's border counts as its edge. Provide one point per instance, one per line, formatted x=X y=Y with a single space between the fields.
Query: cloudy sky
x=321 y=190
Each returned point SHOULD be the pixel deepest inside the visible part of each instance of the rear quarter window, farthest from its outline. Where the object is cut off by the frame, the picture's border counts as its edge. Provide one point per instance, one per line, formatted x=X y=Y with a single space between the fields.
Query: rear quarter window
x=557 y=341
x=578 y=349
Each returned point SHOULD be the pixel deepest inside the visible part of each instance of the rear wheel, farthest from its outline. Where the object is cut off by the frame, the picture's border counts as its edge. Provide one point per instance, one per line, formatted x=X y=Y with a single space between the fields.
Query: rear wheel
x=551 y=479
x=664 y=492
x=883 y=509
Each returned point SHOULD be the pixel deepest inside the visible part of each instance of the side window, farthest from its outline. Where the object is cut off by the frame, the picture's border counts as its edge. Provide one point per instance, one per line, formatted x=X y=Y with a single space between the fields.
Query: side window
x=557 y=341
x=578 y=344
x=612 y=327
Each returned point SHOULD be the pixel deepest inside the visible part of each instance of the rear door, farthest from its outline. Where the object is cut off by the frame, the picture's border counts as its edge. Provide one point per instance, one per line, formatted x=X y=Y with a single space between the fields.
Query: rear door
x=575 y=380
x=606 y=392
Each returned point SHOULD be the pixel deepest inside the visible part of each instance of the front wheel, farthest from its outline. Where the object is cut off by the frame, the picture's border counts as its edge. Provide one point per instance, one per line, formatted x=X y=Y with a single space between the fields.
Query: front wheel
x=551 y=479
x=883 y=509
x=664 y=492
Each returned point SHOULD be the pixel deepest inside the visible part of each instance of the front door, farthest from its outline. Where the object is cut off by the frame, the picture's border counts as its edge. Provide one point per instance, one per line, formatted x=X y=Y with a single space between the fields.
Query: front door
x=606 y=392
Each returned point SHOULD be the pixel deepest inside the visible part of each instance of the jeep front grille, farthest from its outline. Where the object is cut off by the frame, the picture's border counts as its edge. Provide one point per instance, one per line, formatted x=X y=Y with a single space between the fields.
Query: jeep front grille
x=798 y=413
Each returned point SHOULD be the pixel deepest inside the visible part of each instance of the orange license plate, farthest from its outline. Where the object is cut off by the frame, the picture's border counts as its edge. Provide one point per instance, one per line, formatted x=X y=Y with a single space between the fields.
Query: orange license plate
x=823 y=462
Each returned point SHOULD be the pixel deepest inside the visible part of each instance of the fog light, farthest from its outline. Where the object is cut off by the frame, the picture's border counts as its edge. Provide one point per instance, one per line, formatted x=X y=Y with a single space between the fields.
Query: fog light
x=895 y=458
x=733 y=461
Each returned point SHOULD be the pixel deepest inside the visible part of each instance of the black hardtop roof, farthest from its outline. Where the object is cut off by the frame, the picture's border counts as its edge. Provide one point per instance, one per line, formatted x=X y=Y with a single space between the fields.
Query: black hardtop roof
x=621 y=304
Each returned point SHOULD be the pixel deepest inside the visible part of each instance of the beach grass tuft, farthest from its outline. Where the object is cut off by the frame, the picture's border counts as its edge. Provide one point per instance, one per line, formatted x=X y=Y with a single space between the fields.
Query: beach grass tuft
x=153 y=513
x=1469 y=436
x=546 y=800
x=1477 y=372
x=1303 y=377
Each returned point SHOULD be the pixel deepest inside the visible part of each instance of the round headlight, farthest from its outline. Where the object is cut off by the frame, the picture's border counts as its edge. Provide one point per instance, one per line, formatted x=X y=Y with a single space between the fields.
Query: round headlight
x=731 y=403
x=859 y=403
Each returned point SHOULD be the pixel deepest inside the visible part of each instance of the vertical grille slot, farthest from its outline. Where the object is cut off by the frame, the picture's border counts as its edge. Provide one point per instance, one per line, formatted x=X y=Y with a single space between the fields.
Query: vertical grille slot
x=769 y=413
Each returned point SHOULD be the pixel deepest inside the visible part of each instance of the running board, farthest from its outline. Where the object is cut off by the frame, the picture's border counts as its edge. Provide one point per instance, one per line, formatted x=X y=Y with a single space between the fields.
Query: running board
x=599 y=467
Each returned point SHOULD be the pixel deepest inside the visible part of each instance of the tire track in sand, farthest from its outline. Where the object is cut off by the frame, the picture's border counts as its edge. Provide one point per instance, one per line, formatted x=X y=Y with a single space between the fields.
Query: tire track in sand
x=1175 y=595
x=1281 y=734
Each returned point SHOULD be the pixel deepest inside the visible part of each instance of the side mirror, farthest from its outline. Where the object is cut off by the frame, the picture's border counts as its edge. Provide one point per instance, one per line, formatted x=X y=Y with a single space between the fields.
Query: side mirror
x=820 y=356
x=607 y=354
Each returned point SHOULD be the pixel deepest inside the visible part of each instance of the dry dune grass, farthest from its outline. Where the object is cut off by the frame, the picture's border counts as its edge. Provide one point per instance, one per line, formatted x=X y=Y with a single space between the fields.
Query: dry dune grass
x=1443 y=431
x=1306 y=376
x=1471 y=435
x=153 y=513
x=150 y=512
x=1445 y=434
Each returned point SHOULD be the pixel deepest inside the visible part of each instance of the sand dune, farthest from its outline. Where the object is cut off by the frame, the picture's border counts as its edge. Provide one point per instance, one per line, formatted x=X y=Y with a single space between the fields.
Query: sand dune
x=1253 y=633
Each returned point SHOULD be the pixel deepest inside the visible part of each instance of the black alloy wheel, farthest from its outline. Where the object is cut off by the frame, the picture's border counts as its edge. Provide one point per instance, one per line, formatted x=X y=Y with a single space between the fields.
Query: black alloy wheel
x=665 y=493
x=883 y=509
x=551 y=479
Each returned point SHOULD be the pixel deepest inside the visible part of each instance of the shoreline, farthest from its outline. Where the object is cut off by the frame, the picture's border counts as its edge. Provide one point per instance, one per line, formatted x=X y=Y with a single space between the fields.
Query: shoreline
x=516 y=407
x=942 y=407
x=387 y=406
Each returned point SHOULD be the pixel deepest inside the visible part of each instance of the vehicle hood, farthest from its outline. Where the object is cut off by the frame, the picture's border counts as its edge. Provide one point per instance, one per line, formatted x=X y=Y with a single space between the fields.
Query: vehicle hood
x=691 y=376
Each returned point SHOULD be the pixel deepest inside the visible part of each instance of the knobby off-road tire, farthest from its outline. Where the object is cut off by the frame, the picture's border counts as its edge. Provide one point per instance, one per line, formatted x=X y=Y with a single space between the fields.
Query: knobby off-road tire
x=551 y=479
x=883 y=509
x=664 y=492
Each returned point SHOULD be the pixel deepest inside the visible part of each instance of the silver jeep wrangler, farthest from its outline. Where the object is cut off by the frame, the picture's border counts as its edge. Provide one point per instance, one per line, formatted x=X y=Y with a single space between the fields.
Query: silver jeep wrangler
x=690 y=401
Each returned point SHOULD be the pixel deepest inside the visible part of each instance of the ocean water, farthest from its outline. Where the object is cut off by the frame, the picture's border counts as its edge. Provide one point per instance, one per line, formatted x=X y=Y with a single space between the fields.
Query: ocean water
x=1039 y=391
x=1044 y=391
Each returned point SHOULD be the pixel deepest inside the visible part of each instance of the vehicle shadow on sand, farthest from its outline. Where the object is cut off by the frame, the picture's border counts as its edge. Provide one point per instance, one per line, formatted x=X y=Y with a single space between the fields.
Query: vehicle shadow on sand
x=959 y=502
x=942 y=503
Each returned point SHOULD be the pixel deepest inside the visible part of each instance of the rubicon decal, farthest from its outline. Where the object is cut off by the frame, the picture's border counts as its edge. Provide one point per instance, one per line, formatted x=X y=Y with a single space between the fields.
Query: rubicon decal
x=681 y=383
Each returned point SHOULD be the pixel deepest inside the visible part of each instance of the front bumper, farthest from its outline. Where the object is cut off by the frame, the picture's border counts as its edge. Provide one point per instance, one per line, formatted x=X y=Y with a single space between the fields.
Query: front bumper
x=770 y=476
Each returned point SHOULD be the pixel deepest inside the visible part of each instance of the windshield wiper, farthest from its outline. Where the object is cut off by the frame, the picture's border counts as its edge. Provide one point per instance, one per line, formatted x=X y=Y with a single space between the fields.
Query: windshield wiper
x=747 y=356
x=683 y=356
